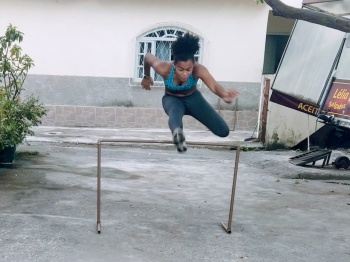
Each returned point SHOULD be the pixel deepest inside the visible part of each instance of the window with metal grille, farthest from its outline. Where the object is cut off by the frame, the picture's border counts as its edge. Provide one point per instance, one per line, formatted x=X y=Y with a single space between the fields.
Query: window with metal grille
x=158 y=42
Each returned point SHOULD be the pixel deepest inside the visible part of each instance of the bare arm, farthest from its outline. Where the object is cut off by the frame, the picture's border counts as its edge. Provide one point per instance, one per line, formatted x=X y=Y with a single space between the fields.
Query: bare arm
x=203 y=73
x=161 y=67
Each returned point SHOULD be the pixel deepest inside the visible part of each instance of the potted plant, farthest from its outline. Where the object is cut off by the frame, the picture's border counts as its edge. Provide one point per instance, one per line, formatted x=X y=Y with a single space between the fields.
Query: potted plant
x=17 y=115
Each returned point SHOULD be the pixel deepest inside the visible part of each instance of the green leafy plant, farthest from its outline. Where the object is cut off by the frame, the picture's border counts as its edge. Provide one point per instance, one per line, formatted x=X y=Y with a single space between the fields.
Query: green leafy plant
x=17 y=116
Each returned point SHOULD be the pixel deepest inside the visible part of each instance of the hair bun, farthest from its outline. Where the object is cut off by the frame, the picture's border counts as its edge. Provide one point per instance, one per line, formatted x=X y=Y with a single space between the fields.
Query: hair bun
x=185 y=44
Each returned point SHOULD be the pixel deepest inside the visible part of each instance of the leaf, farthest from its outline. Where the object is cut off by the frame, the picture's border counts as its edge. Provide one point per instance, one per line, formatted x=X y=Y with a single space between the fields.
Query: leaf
x=16 y=116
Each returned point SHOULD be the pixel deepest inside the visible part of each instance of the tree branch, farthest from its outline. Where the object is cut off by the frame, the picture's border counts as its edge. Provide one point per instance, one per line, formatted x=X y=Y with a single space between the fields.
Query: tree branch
x=321 y=18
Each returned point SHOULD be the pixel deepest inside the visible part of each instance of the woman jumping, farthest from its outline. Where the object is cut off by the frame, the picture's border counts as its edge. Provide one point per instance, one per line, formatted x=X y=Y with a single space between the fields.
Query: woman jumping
x=181 y=95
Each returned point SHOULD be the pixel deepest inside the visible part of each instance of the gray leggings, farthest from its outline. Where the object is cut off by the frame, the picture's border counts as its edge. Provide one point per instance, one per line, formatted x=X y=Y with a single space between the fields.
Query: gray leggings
x=196 y=106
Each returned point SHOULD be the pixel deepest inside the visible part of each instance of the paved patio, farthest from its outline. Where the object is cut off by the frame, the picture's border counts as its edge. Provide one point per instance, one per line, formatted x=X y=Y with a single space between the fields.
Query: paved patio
x=159 y=205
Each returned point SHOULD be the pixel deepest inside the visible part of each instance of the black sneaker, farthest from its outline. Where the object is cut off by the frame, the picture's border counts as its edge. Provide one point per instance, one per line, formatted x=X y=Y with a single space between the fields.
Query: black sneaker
x=179 y=140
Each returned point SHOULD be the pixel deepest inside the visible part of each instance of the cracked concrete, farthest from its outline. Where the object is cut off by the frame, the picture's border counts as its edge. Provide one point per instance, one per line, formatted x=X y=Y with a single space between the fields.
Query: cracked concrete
x=159 y=205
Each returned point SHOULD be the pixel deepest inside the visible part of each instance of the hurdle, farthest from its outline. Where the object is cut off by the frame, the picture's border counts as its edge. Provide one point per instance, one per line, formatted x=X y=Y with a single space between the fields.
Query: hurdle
x=140 y=141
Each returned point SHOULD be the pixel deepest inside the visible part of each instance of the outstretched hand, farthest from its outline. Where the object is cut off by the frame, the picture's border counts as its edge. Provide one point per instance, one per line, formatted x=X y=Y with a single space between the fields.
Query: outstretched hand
x=147 y=82
x=229 y=95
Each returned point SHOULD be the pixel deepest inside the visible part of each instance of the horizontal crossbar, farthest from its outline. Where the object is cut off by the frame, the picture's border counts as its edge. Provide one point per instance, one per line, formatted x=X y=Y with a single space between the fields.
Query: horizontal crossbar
x=143 y=141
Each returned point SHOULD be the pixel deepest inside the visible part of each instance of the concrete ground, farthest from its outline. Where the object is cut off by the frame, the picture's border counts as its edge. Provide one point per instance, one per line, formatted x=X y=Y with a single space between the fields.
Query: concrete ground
x=159 y=205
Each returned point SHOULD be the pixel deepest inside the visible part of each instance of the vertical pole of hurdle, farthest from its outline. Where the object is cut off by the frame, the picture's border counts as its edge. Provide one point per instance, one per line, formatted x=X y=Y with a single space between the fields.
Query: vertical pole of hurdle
x=99 y=187
x=230 y=215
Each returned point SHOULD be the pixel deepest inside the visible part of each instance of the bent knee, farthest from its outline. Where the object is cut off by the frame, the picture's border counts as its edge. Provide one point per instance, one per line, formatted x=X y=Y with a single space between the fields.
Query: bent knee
x=223 y=132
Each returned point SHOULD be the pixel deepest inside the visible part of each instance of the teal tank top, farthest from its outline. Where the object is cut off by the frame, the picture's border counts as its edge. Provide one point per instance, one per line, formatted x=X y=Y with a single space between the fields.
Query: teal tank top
x=169 y=82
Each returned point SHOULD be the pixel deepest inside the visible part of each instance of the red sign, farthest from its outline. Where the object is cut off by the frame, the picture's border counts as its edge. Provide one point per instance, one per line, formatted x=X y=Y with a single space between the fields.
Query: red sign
x=294 y=103
x=338 y=99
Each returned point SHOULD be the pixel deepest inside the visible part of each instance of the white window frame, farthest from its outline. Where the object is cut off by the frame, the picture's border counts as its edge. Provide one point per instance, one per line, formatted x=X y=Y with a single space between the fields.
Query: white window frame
x=166 y=33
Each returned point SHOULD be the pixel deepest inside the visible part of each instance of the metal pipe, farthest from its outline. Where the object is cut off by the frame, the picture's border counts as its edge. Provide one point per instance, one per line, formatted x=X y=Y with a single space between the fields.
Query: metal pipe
x=99 y=187
x=140 y=141
x=229 y=223
x=235 y=115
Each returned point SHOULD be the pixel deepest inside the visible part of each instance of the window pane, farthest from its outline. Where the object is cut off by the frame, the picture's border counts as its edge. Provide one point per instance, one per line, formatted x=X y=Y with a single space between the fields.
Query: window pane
x=142 y=47
x=152 y=35
x=178 y=33
x=170 y=32
x=157 y=77
x=163 y=50
x=149 y=47
x=161 y=33
x=343 y=71
x=140 y=59
x=140 y=72
x=308 y=61
x=157 y=42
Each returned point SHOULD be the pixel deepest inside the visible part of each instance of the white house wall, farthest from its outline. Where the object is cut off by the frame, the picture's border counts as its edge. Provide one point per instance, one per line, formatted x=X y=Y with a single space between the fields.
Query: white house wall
x=288 y=127
x=84 y=50
x=97 y=38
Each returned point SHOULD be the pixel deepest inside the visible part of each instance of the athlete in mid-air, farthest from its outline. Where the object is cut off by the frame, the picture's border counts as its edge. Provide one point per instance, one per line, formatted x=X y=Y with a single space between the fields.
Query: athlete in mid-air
x=181 y=94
